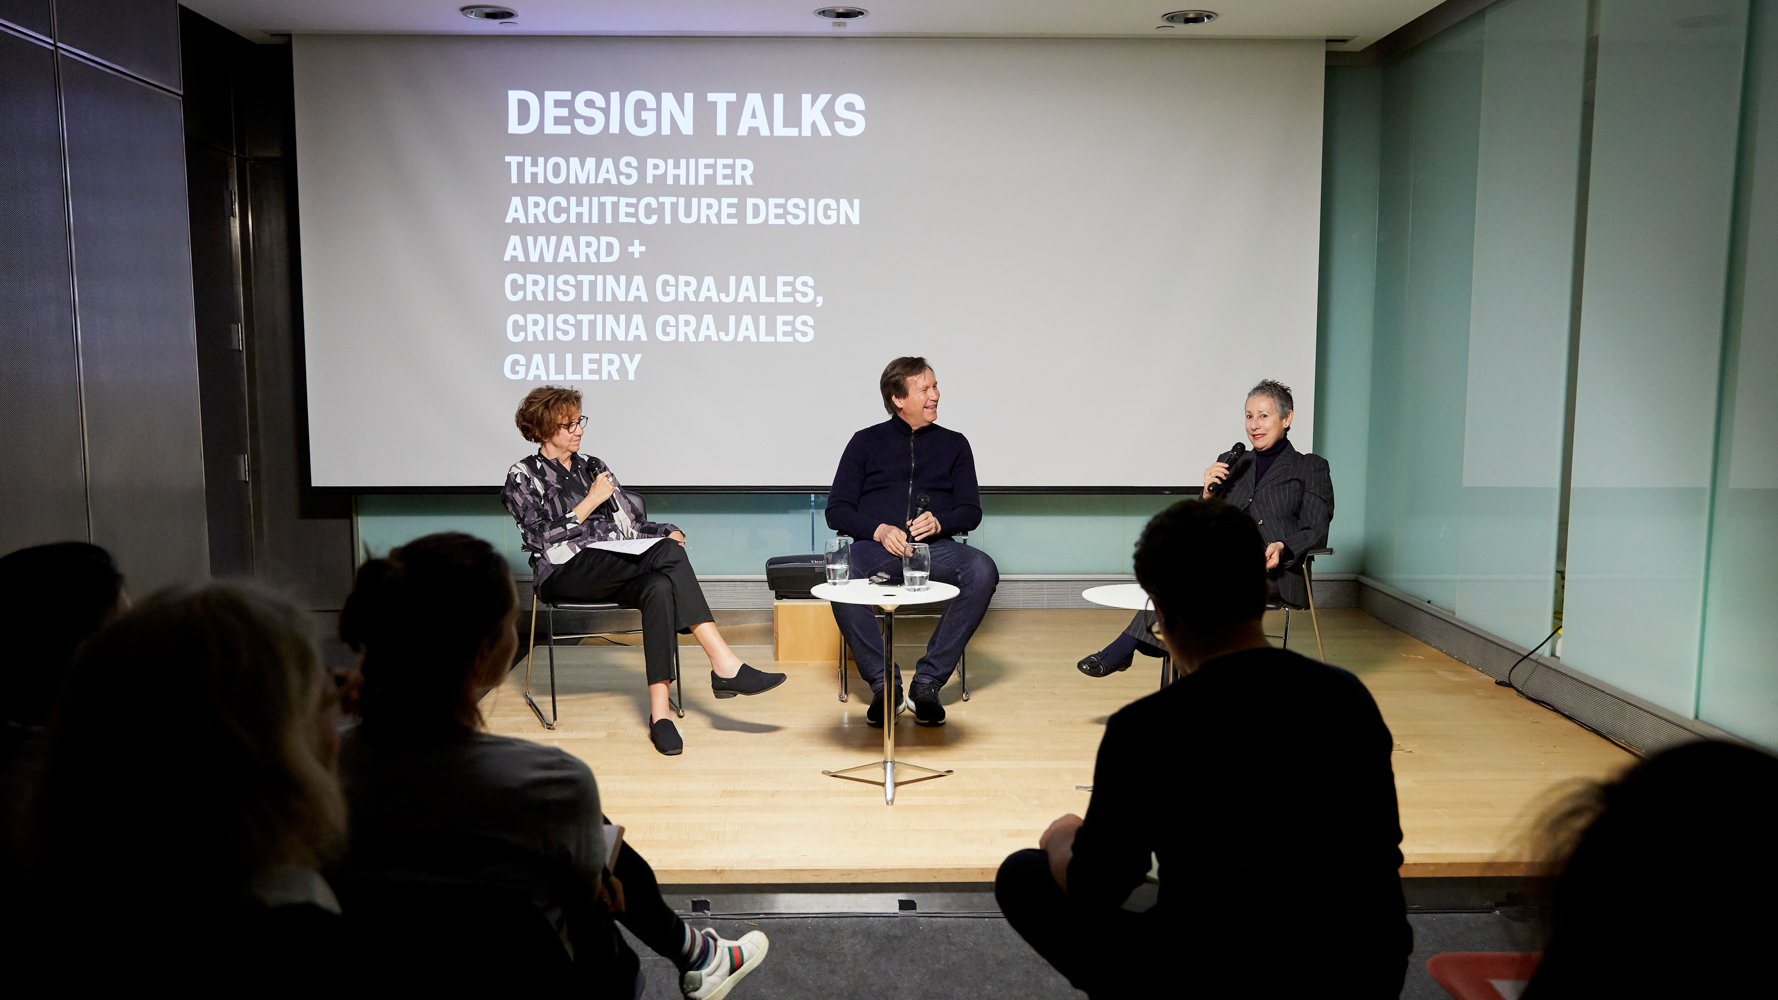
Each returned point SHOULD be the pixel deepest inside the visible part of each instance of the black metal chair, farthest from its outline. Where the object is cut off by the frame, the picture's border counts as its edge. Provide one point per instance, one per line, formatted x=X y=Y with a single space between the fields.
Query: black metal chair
x=678 y=703
x=1278 y=604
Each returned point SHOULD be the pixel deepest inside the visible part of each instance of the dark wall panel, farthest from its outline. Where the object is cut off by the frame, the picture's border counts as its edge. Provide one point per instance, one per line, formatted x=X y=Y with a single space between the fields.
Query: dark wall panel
x=32 y=15
x=222 y=363
x=132 y=256
x=141 y=36
x=209 y=56
x=42 y=484
x=306 y=540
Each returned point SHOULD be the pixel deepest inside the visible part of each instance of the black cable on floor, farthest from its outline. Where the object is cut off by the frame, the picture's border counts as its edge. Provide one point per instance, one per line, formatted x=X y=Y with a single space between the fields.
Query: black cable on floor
x=1508 y=682
x=1528 y=653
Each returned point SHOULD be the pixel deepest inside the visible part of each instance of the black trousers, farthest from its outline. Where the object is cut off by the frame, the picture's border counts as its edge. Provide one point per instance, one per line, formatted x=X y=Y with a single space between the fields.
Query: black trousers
x=1103 y=954
x=660 y=583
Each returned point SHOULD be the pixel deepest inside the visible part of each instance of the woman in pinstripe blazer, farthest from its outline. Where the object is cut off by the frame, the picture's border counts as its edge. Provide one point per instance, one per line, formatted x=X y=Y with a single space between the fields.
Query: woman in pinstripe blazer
x=1288 y=492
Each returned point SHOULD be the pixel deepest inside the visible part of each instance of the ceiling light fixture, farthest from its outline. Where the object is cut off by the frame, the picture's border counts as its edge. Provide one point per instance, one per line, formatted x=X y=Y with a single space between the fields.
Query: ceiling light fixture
x=489 y=12
x=840 y=15
x=1189 y=17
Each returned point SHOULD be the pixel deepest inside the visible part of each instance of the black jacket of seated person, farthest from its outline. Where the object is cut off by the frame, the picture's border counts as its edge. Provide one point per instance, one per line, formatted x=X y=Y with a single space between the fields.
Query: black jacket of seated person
x=1293 y=503
x=1262 y=783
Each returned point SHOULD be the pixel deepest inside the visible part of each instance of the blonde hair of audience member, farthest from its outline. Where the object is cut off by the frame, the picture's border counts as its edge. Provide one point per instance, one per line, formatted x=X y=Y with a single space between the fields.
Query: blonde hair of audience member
x=1662 y=878
x=194 y=744
x=431 y=652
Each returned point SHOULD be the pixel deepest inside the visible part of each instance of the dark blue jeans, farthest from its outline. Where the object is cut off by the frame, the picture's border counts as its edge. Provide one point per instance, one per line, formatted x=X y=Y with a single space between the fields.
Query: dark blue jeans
x=971 y=570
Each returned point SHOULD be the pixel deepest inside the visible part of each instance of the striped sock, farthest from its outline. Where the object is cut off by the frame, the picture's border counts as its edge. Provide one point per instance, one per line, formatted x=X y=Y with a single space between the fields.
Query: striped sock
x=697 y=949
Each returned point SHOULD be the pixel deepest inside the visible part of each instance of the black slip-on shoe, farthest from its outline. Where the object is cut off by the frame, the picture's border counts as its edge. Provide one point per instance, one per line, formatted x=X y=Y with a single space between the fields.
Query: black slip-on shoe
x=873 y=716
x=746 y=681
x=1092 y=666
x=927 y=710
x=665 y=737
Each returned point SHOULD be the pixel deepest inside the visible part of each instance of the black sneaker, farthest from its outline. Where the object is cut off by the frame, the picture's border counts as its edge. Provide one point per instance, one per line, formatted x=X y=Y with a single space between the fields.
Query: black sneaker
x=927 y=710
x=874 y=715
x=665 y=737
x=746 y=681
x=1092 y=666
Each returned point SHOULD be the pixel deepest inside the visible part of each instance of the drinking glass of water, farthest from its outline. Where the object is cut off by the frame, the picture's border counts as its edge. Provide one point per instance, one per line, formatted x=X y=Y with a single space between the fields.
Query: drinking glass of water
x=839 y=561
x=916 y=566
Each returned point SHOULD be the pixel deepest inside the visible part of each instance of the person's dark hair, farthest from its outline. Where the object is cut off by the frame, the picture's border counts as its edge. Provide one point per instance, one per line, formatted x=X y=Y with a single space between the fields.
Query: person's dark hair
x=1204 y=563
x=1278 y=392
x=52 y=598
x=894 y=382
x=544 y=409
x=421 y=616
x=188 y=745
x=1663 y=878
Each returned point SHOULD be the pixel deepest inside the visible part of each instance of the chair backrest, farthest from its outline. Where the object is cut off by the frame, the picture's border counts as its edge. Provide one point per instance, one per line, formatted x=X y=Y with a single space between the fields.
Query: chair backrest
x=450 y=935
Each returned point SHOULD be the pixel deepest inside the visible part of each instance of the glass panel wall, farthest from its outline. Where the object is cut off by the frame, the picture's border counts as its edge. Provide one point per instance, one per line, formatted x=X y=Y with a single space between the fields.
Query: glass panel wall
x=1665 y=131
x=1739 y=685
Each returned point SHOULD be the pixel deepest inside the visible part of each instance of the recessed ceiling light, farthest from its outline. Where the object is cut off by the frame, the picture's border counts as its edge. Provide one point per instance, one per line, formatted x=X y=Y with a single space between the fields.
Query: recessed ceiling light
x=1189 y=17
x=841 y=13
x=490 y=12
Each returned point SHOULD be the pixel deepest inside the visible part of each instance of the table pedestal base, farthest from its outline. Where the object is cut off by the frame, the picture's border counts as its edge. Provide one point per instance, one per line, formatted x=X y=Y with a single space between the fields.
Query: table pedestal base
x=888 y=779
x=891 y=712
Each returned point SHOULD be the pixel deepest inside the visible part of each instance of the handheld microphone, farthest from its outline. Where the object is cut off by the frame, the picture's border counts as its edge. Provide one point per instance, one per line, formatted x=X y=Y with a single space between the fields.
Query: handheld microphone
x=1228 y=458
x=922 y=504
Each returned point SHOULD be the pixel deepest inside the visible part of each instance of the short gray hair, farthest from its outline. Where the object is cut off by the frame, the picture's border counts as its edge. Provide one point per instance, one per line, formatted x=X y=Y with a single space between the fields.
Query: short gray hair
x=1279 y=393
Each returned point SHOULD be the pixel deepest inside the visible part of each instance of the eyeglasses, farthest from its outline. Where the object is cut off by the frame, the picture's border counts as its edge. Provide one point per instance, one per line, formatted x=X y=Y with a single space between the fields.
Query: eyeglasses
x=581 y=422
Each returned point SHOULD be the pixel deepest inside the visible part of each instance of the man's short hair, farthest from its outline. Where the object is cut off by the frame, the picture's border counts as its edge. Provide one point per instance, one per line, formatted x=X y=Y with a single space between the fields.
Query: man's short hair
x=544 y=409
x=1204 y=563
x=1278 y=392
x=895 y=379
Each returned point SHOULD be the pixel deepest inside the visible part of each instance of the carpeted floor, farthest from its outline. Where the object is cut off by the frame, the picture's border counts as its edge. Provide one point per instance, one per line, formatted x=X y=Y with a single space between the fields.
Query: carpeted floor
x=934 y=956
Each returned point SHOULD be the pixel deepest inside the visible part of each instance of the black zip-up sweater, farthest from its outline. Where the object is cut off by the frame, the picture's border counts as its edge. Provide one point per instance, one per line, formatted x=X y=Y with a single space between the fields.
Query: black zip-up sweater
x=885 y=469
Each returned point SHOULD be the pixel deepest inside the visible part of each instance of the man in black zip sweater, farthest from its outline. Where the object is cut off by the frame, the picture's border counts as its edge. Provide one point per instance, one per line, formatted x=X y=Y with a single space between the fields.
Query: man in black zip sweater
x=908 y=479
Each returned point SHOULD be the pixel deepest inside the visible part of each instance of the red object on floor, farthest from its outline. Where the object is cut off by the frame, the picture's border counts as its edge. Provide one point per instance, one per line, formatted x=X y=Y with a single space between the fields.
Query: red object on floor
x=1483 y=975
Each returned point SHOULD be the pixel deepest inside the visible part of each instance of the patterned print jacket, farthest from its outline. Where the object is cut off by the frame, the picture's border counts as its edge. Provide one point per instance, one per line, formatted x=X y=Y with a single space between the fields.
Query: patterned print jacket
x=541 y=495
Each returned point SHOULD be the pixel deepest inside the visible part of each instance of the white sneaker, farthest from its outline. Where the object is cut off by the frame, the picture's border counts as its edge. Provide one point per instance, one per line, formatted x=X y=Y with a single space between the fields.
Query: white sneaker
x=732 y=961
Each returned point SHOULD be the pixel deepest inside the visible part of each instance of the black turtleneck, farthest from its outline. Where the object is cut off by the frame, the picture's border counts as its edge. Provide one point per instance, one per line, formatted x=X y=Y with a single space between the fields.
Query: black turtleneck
x=1262 y=460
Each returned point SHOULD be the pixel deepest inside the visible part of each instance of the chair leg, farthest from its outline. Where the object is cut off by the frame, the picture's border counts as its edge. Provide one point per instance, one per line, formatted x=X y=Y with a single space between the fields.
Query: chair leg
x=554 y=714
x=963 y=670
x=1314 y=619
x=678 y=707
x=843 y=691
x=1286 y=628
x=1166 y=669
x=550 y=721
x=531 y=650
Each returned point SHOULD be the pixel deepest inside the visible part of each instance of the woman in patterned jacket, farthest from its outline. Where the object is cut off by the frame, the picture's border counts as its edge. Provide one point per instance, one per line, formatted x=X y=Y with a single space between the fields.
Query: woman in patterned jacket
x=566 y=502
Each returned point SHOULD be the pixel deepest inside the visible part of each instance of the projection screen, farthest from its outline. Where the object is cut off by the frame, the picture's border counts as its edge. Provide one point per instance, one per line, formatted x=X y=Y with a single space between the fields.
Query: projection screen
x=1098 y=244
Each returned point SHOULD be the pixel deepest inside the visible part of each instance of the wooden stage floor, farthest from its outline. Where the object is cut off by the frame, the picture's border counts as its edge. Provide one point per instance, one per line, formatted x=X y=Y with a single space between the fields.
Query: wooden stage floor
x=747 y=802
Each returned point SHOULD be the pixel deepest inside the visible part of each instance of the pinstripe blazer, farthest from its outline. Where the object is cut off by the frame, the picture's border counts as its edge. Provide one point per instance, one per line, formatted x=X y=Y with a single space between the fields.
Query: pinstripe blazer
x=1294 y=504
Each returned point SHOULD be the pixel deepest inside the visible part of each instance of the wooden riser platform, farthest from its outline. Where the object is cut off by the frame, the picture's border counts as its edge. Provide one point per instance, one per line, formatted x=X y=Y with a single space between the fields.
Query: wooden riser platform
x=747 y=802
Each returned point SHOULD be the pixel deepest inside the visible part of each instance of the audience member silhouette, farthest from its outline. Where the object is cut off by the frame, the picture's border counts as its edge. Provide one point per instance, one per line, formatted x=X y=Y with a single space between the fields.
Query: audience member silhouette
x=186 y=800
x=52 y=597
x=436 y=798
x=1666 y=879
x=1259 y=780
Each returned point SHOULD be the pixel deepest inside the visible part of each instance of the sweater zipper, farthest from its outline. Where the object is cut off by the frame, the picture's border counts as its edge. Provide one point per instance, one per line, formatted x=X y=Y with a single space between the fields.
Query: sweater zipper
x=909 y=509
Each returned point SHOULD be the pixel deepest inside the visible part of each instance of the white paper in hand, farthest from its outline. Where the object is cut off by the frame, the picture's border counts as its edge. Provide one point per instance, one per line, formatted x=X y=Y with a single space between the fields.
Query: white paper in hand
x=628 y=546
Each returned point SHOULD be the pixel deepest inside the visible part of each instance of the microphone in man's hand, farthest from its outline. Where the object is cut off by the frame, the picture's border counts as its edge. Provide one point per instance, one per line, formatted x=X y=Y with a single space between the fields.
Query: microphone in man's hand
x=1228 y=458
x=922 y=504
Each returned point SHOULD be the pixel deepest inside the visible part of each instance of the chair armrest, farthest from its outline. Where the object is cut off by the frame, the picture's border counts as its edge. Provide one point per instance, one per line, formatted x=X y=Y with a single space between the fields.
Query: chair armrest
x=1319 y=552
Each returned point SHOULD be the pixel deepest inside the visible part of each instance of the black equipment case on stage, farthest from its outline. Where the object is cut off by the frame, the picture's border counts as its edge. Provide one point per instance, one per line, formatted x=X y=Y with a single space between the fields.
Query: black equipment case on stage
x=791 y=577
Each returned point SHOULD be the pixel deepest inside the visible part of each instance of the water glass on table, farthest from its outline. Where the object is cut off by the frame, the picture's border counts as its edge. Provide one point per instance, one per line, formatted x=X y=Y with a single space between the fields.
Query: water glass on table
x=916 y=566
x=839 y=561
